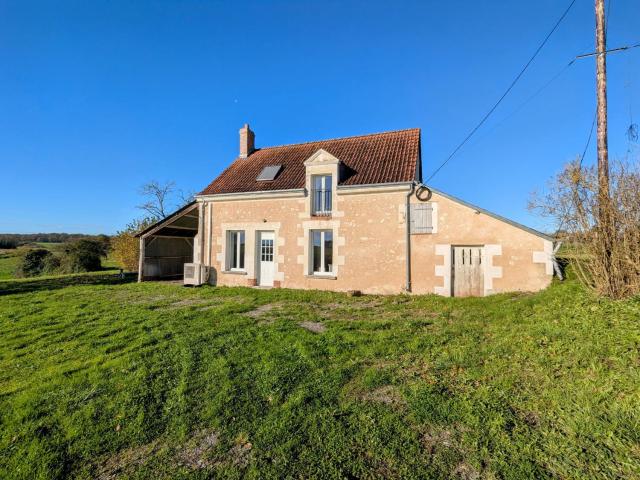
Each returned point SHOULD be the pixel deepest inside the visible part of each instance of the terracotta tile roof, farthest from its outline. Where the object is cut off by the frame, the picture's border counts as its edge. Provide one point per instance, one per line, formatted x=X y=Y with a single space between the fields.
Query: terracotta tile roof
x=377 y=158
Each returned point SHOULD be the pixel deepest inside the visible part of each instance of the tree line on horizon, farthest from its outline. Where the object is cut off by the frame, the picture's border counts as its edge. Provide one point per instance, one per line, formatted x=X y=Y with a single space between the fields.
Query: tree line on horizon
x=14 y=240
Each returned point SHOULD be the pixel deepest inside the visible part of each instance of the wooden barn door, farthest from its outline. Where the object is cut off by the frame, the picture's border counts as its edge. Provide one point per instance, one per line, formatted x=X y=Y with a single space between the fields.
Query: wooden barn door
x=468 y=271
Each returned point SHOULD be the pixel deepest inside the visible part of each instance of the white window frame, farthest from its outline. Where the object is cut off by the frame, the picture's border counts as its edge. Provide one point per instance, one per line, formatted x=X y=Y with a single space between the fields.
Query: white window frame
x=322 y=271
x=326 y=186
x=230 y=253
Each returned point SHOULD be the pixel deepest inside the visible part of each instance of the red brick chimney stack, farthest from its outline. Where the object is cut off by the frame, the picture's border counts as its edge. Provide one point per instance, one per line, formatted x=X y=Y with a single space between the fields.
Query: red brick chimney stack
x=247 y=141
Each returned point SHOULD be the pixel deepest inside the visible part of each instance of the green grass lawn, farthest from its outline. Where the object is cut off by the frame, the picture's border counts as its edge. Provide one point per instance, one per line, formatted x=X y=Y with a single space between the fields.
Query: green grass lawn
x=8 y=263
x=160 y=381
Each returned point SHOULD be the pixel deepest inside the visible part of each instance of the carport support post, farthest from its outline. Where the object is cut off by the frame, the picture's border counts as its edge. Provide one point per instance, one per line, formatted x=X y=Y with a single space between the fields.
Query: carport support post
x=201 y=233
x=141 y=260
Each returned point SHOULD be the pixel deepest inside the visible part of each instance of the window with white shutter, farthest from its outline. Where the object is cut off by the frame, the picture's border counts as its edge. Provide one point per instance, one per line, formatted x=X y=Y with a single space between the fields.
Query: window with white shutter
x=421 y=218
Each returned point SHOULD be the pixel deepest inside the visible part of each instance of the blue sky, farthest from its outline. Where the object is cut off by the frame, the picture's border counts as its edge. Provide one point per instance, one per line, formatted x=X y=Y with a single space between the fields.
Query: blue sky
x=99 y=97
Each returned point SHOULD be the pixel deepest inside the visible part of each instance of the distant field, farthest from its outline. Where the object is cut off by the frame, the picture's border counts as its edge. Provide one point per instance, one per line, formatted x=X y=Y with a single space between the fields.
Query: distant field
x=159 y=381
x=49 y=245
x=9 y=258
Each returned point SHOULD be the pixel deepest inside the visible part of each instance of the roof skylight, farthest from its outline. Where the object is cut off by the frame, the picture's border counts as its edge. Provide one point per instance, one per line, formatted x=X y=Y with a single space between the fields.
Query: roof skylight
x=269 y=173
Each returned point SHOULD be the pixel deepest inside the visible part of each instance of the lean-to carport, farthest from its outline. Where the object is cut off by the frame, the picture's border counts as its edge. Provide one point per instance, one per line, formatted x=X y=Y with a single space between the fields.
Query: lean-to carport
x=168 y=244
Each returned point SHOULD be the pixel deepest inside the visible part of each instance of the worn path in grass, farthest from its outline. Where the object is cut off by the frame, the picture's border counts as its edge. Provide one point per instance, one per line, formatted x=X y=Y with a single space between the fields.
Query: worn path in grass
x=158 y=381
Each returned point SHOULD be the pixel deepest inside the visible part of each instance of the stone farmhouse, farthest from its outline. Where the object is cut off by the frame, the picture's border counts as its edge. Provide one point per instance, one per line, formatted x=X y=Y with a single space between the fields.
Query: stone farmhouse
x=342 y=214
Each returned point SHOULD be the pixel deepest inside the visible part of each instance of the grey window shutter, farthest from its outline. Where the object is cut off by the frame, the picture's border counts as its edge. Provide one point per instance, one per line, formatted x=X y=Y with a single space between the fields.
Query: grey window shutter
x=428 y=217
x=421 y=218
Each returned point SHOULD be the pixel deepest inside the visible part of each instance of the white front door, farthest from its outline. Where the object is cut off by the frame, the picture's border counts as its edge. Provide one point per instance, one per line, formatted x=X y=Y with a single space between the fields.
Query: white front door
x=265 y=258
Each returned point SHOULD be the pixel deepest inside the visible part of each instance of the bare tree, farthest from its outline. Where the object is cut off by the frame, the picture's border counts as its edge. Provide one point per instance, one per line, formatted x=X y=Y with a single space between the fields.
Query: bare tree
x=186 y=196
x=610 y=266
x=158 y=197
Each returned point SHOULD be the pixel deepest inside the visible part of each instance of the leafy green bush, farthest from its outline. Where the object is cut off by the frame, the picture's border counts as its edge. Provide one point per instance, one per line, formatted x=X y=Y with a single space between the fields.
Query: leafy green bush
x=82 y=256
x=51 y=264
x=36 y=262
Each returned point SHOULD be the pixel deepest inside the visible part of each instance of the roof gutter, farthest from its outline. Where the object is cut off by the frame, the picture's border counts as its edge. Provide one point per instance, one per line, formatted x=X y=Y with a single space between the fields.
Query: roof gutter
x=374 y=185
x=297 y=191
x=292 y=192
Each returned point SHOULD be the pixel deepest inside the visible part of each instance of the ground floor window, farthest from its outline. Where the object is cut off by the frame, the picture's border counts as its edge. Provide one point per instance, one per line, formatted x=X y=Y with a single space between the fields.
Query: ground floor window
x=322 y=251
x=235 y=250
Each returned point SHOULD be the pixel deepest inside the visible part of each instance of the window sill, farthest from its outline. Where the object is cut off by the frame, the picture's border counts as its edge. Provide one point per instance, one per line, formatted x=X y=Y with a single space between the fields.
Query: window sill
x=321 y=215
x=235 y=272
x=322 y=276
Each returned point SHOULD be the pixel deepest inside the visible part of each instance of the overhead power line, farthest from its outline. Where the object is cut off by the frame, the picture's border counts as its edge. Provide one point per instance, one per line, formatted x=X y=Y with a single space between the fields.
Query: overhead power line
x=613 y=50
x=526 y=102
x=586 y=147
x=513 y=83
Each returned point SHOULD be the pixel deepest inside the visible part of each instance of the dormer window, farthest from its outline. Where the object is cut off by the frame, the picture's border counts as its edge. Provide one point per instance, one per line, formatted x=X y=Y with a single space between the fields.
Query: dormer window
x=321 y=194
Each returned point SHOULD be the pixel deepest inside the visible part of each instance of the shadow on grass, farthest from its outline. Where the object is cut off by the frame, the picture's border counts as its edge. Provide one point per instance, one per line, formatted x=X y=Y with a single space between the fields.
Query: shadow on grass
x=10 y=287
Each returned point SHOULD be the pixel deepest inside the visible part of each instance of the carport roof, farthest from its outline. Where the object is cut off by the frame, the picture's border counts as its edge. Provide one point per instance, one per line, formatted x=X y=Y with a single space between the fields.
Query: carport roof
x=166 y=222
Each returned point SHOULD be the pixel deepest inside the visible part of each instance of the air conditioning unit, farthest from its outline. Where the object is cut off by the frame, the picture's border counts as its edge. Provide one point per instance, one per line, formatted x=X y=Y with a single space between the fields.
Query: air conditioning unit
x=195 y=274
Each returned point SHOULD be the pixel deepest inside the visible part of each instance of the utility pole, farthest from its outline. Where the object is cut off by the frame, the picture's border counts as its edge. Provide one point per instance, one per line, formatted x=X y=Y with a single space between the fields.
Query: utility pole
x=605 y=227
x=601 y=90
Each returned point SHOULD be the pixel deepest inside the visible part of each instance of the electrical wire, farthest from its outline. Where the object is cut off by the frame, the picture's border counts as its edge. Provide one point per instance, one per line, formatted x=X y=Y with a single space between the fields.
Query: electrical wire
x=611 y=50
x=584 y=152
x=513 y=83
x=525 y=102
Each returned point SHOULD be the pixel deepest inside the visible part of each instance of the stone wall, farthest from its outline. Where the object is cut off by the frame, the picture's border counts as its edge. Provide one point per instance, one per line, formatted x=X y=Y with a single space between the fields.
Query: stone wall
x=369 y=244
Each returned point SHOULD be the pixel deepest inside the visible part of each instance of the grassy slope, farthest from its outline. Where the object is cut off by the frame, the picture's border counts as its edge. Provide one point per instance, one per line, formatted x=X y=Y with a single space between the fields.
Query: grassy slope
x=159 y=381
x=8 y=263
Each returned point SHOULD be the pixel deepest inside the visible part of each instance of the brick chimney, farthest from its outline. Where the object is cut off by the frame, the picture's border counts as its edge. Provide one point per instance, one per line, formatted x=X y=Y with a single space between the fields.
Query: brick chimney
x=247 y=141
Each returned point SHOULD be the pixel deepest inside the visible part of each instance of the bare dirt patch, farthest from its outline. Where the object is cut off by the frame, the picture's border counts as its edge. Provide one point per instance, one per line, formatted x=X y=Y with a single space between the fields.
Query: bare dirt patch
x=135 y=298
x=189 y=302
x=464 y=471
x=240 y=454
x=437 y=440
x=126 y=461
x=315 y=327
x=262 y=310
x=195 y=454
x=214 y=302
x=197 y=451
x=388 y=395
